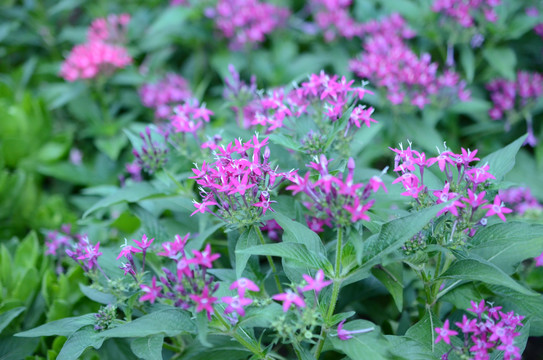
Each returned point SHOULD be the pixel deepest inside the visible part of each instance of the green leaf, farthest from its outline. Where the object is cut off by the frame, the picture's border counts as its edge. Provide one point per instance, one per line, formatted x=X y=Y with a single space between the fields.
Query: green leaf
x=471 y=106
x=112 y=145
x=501 y=59
x=423 y=332
x=12 y=348
x=169 y=322
x=391 y=276
x=8 y=316
x=288 y=142
x=148 y=348
x=367 y=346
x=484 y=271
x=248 y=239
x=130 y=193
x=64 y=327
x=202 y=325
x=27 y=254
x=467 y=59
x=79 y=341
x=503 y=160
x=26 y=285
x=405 y=348
x=98 y=296
x=394 y=233
x=295 y=232
x=298 y=253
x=507 y=244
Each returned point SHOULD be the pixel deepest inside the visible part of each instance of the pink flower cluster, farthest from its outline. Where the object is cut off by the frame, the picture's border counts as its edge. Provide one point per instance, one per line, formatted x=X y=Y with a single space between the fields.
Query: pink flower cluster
x=85 y=254
x=128 y=250
x=520 y=199
x=333 y=17
x=334 y=201
x=387 y=61
x=164 y=94
x=57 y=241
x=190 y=286
x=466 y=12
x=189 y=117
x=464 y=190
x=238 y=183
x=519 y=96
x=102 y=53
x=152 y=155
x=295 y=296
x=236 y=304
x=248 y=21
x=109 y=30
x=492 y=330
x=321 y=96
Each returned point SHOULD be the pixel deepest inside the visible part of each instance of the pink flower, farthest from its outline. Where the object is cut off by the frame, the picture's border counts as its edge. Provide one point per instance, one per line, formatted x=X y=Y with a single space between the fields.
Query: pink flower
x=442 y=159
x=236 y=304
x=144 y=243
x=288 y=299
x=375 y=183
x=497 y=208
x=202 y=207
x=444 y=333
x=478 y=308
x=243 y=284
x=343 y=334
x=204 y=302
x=127 y=251
x=317 y=284
x=151 y=292
x=359 y=211
x=205 y=258
x=475 y=200
x=539 y=260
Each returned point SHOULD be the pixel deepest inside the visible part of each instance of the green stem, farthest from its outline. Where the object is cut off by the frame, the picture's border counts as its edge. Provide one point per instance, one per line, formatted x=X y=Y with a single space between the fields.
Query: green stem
x=270 y=260
x=256 y=350
x=335 y=292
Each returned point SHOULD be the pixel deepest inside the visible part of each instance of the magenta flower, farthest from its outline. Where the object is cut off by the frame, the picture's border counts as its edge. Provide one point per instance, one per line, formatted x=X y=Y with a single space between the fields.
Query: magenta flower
x=236 y=304
x=317 y=284
x=202 y=207
x=172 y=249
x=205 y=258
x=475 y=200
x=497 y=208
x=343 y=334
x=443 y=159
x=144 y=243
x=183 y=268
x=204 y=302
x=151 y=292
x=444 y=333
x=539 y=260
x=478 y=308
x=444 y=195
x=467 y=325
x=289 y=298
x=127 y=251
x=359 y=211
x=243 y=284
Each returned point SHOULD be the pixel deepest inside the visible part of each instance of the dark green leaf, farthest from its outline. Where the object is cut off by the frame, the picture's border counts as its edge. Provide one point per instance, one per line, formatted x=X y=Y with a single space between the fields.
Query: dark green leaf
x=424 y=333
x=503 y=160
x=501 y=59
x=63 y=327
x=8 y=316
x=169 y=322
x=507 y=244
x=131 y=193
x=482 y=270
x=98 y=296
x=79 y=341
x=148 y=348
x=367 y=346
x=299 y=233
x=467 y=59
x=292 y=251
x=391 y=276
x=248 y=239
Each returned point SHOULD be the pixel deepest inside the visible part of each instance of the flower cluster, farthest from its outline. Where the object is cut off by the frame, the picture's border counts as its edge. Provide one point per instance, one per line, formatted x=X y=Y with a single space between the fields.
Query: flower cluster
x=164 y=94
x=105 y=317
x=520 y=199
x=103 y=52
x=323 y=98
x=300 y=324
x=85 y=254
x=387 y=61
x=238 y=183
x=128 y=251
x=109 y=30
x=492 y=330
x=466 y=12
x=465 y=193
x=189 y=286
x=153 y=154
x=247 y=21
x=516 y=98
x=332 y=200
x=189 y=117
x=240 y=94
x=333 y=17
